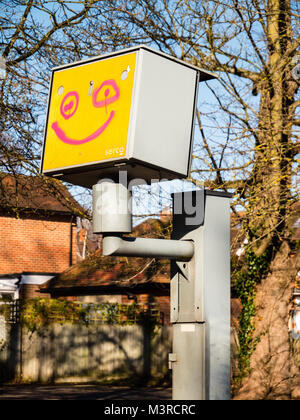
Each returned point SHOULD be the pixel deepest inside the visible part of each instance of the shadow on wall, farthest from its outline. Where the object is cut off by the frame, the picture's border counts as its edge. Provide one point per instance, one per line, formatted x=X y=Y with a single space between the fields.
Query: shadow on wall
x=10 y=351
x=88 y=353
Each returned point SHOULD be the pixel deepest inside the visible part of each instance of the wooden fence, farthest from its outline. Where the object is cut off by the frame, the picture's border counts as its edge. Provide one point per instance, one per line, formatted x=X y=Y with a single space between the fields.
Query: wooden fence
x=72 y=352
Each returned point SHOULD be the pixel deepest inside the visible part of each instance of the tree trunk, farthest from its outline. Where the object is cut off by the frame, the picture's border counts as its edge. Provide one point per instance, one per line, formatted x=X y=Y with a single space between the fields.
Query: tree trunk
x=269 y=192
x=274 y=375
x=273 y=372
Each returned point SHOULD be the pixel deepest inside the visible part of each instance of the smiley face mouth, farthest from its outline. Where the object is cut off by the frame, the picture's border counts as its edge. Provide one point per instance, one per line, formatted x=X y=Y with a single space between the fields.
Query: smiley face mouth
x=64 y=138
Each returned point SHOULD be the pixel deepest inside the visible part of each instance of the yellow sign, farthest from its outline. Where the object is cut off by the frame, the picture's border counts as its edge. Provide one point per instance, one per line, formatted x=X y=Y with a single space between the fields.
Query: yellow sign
x=89 y=112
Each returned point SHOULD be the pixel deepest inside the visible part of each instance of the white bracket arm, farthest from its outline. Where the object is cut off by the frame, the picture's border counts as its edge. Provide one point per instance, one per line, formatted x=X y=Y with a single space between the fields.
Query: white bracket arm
x=179 y=250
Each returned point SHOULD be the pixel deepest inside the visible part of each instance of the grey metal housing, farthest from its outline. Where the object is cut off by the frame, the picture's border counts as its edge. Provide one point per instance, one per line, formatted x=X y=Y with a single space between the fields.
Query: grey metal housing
x=200 y=302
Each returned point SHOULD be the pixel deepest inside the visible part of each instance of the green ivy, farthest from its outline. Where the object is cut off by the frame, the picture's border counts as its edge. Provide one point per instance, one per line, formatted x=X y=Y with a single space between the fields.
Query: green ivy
x=246 y=275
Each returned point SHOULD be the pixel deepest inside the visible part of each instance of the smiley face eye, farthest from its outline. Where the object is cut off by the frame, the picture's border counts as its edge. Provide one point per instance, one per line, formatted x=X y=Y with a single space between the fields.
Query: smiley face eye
x=108 y=100
x=69 y=105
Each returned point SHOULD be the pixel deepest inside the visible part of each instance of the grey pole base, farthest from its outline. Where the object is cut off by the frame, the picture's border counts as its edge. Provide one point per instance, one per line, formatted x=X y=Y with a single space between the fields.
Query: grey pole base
x=188 y=361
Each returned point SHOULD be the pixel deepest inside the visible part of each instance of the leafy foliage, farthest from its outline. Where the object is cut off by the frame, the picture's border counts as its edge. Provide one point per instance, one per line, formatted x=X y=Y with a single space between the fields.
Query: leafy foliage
x=247 y=274
x=39 y=312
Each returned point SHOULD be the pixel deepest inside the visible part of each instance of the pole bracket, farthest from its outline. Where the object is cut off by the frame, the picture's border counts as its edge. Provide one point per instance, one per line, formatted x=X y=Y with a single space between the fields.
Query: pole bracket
x=179 y=250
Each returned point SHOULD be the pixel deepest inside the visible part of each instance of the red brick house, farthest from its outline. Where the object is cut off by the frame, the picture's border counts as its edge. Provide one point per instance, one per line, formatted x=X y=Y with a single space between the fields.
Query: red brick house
x=37 y=231
x=99 y=279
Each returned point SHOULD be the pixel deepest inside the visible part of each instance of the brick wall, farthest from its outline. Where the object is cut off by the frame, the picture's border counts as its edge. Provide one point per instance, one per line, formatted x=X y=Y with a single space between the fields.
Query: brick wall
x=164 y=303
x=35 y=244
x=29 y=291
x=145 y=298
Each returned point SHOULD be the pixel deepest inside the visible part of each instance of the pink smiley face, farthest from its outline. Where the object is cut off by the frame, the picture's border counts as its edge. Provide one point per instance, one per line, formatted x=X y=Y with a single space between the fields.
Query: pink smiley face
x=69 y=106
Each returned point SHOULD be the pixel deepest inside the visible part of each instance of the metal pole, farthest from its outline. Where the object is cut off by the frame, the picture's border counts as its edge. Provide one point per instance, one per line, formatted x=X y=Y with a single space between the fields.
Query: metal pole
x=111 y=208
x=200 y=302
x=147 y=247
x=200 y=284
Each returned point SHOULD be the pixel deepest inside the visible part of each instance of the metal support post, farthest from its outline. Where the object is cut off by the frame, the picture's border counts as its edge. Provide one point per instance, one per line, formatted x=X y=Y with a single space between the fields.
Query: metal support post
x=112 y=216
x=200 y=281
x=200 y=300
x=111 y=208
